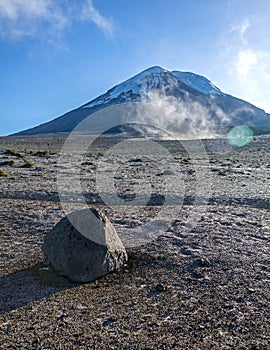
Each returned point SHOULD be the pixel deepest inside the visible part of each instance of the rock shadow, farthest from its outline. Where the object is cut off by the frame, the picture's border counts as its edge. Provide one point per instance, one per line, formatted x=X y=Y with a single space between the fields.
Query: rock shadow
x=32 y=284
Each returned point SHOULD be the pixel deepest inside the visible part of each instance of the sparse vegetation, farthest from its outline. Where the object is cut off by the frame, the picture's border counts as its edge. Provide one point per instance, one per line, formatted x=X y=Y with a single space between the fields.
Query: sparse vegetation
x=27 y=163
x=45 y=153
x=3 y=173
x=14 y=152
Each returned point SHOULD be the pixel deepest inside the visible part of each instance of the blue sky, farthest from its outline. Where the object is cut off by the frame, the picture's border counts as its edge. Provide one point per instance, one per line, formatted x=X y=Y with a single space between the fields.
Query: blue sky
x=58 y=54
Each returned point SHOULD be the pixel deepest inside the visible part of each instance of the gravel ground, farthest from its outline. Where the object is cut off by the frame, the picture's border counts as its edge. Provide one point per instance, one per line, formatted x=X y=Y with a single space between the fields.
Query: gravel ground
x=200 y=287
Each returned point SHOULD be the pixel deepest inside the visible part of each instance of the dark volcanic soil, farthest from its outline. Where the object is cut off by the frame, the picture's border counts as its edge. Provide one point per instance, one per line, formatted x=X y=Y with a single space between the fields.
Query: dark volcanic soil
x=204 y=286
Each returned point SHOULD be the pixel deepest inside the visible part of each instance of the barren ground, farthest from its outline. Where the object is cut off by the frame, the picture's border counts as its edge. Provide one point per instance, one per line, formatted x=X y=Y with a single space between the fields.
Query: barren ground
x=214 y=277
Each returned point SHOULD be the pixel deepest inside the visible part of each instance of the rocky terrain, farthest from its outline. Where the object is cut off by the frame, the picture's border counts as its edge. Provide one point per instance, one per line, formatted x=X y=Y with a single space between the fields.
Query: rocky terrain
x=199 y=286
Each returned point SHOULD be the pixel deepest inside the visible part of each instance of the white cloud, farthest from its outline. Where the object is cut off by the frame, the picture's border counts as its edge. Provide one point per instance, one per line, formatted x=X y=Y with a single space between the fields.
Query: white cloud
x=247 y=60
x=253 y=76
x=241 y=28
x=46 y=18
x=91 y=13
x=19 y=18
x=12 y=9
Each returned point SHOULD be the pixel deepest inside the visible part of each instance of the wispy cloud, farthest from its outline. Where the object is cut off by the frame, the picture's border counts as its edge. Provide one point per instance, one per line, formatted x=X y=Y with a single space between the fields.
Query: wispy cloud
x=22 y=18
x=89 y=12
x=241 y=28
x=19 y=18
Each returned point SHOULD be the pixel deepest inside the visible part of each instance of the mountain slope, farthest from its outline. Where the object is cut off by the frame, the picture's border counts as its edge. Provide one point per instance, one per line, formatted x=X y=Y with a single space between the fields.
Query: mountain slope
x=187 y=90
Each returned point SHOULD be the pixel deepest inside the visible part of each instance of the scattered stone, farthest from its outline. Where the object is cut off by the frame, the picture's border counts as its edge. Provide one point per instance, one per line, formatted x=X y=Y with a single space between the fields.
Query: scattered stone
x=108 y=322
x=190 y=172
x=198 y=274
x=135 y=160
x=241 y=300
x=250 y=290
x=214 y=169
x=8 y=163
x=84 y=246
x=160 y=287
x=87 y=163
x=38 y=169
x=168 y=172
x=202 y=261
x=186 y=251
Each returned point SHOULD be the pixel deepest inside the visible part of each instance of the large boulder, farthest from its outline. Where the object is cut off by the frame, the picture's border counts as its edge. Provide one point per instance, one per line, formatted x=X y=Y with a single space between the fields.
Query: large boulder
x=84 y=246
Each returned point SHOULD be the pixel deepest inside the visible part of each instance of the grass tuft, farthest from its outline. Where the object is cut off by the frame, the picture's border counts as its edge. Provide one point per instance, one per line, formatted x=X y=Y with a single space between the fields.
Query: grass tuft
x=3 y=173
x=45 y=153
x=13 y=152
x=28 y=163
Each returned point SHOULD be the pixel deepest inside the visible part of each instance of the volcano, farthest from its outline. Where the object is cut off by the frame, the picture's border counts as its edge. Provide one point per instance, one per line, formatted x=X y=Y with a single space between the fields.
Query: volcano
x=185 y=88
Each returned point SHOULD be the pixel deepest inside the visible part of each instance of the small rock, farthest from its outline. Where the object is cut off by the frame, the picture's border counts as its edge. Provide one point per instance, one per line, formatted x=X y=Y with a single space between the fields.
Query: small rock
x=135 y=160
x=190 y=172
x=240 y=300
x=198 y=274
x=84 y=246
x=186 y=251
x=61 y=317
x=250 y=290
x=160 y=287
x=108 y=322
x=168 y=172
x=202 y=261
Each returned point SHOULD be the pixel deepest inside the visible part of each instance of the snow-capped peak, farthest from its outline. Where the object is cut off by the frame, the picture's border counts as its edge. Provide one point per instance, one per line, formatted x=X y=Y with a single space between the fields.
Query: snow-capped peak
x=198 y=82
x=154 y=78
x=144 y=81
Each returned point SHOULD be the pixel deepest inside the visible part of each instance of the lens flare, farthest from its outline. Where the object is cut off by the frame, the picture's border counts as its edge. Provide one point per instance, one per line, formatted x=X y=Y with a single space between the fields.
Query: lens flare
x=240 y=136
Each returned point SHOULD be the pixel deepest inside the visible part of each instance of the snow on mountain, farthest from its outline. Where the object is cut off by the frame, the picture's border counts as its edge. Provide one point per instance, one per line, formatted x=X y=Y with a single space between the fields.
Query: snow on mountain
x=140 y=83
x=200 y=101
x=198 y=82
x=155 y=78
x=148 y=79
